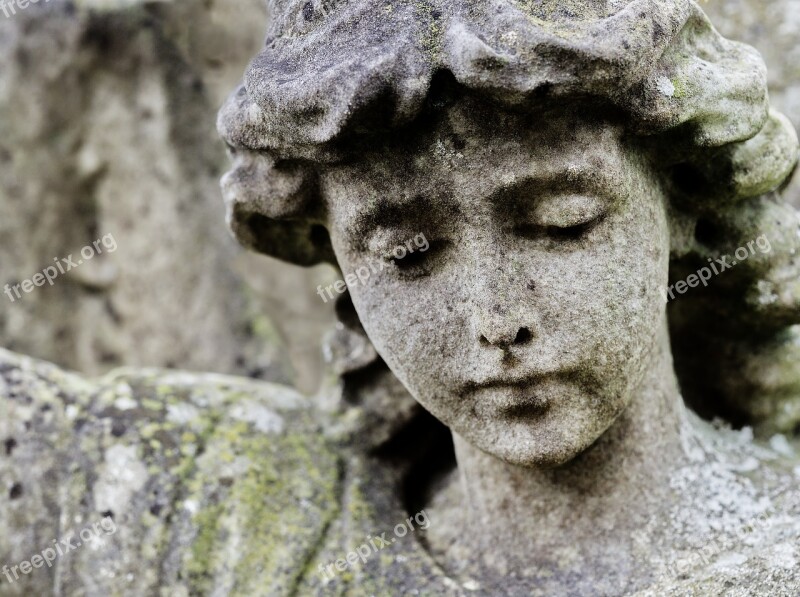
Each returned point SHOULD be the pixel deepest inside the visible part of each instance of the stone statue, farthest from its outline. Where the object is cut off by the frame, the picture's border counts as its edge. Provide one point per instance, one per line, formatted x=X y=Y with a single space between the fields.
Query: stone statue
x=597 y=184
x=564 y=159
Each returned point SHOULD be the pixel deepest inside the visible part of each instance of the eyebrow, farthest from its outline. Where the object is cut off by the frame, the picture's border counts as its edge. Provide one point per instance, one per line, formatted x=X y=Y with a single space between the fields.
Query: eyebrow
x=584 y=177
x=394 y=211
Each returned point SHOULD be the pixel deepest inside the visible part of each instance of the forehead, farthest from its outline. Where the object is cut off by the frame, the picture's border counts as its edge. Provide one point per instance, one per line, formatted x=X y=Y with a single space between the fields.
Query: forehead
x=470 y=158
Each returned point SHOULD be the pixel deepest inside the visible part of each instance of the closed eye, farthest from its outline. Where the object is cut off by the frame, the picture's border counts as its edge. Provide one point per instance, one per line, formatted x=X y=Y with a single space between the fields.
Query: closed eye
x=562 y=218
x=558 y=233
x=418 y=262
x=411 y=260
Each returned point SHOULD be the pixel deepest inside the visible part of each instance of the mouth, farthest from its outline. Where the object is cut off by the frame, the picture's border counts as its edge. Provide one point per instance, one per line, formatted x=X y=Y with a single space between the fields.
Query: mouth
x=514 y=399
x=525 y=403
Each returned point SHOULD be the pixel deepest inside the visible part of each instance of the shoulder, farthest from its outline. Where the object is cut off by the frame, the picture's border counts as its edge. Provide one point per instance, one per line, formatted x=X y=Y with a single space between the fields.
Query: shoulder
x=182 y=464
x=191 y=484
x=740 y=516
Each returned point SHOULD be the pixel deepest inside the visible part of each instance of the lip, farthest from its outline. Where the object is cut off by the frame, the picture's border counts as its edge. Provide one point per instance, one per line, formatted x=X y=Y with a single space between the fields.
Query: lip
x=521 y=397
x=509 y=381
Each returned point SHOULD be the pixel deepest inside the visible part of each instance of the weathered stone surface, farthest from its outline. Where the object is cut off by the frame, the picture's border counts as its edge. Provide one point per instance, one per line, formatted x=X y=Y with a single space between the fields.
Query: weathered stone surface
x=151 y=442
x=216 y=486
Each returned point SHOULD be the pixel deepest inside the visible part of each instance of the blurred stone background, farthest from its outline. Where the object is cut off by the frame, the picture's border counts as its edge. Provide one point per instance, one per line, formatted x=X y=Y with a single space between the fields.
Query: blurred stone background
x=107 y=111
x=107 y=126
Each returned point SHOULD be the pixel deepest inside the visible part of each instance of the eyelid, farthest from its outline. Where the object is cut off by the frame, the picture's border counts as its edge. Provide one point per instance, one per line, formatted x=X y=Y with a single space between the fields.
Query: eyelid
x=567 y=211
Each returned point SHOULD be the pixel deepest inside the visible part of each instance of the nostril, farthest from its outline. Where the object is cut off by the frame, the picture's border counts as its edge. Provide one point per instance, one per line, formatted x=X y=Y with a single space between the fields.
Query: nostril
x=523 y=335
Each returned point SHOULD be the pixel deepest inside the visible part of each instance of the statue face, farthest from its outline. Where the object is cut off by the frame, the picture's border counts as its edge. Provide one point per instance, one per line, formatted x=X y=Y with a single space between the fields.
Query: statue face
x=529 y=322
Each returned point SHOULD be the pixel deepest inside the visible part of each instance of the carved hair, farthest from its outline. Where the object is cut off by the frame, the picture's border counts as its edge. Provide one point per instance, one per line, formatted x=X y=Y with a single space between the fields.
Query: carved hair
x=336 y=71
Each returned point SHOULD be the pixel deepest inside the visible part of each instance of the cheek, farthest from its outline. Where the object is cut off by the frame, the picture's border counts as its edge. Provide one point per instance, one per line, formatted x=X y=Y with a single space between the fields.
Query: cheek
x=421 y=330
x=411 y=326
x=391 y=310
x=607 y=302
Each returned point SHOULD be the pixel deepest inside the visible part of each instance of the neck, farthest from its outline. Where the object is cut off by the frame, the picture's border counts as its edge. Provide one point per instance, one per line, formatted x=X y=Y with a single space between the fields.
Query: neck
x=597 y=501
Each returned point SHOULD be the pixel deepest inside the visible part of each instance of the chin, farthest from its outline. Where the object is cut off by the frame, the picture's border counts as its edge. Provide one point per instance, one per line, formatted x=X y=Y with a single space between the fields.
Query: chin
x=535 y=448
x=538 y=460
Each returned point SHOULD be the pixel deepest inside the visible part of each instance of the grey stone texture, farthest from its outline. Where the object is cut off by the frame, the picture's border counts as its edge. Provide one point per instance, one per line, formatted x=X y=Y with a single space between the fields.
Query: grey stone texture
x=216 y=486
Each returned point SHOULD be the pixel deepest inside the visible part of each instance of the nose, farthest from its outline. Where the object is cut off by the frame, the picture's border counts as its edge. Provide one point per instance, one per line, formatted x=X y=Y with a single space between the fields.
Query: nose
x=503 y=335
x=504 y=323
x=502 y=298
